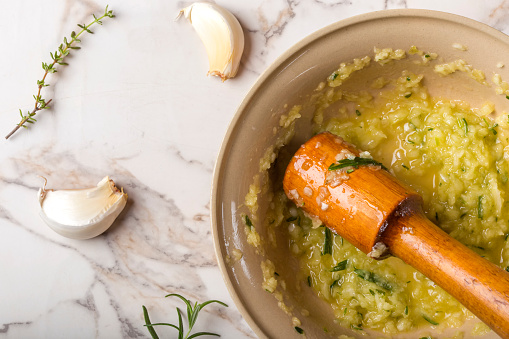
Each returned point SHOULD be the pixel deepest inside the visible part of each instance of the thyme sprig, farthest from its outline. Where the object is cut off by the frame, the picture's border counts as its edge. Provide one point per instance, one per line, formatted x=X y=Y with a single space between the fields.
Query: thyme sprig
x=58 y=59
x=192 y=316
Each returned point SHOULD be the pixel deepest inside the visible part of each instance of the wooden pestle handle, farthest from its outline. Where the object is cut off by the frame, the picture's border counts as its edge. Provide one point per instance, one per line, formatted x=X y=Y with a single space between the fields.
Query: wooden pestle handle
x=478 y=284
x=376 y=213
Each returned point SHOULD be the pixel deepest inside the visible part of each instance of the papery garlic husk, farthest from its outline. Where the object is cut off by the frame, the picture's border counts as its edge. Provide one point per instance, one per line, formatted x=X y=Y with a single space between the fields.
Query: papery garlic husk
x=82 y=213
x=222 y=35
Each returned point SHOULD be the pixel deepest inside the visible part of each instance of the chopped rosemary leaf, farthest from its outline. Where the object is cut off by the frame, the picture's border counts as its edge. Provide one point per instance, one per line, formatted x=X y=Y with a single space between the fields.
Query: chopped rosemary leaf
x=408 y=95
x=291 y=219
x=374 y=278
x=507 y=97
x=340 y=266
x=299 y=330
x=427 y=56
x=248 y=221
x=430 y=129
x=344 y=312
x=479 y=207
x=465 y=125
x=406 y=310
x=334 y=76
x=327 y=243
x=334 y=283
x=405 y=166
x=358 y=327
x=355 y=163
x=372 y=292
x=431 y=321
x=358 y=112
x=309 y=281
x=408 y=79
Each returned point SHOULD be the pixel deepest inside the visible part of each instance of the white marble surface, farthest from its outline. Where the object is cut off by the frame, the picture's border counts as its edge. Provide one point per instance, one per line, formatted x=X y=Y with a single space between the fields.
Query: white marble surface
x=134 y=104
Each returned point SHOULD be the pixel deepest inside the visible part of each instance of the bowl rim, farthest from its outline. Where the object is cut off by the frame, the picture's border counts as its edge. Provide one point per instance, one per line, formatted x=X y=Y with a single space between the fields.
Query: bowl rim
x=300 y=45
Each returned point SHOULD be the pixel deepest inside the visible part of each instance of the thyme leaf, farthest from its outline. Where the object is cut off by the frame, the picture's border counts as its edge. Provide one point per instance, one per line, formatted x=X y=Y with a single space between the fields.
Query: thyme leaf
x=49 y=68
x=192 y=315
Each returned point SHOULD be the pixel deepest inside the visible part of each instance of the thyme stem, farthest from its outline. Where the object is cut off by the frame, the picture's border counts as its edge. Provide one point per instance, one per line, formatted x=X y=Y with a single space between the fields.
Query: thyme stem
x=58 y=57
x=25 y=119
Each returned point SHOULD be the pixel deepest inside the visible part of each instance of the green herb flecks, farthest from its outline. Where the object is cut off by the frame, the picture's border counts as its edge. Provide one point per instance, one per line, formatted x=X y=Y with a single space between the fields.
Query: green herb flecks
x=427 y=56
x=374 y=278
x=327 y=243
x=299 y=330
x=431 y=321
x=480 y=211
x=290 y=219
x=358 y=327
x=355 y=163
x=463 y=124
x=406 y=310
x=192 y=316
x=341 y=266
x=334 y=76
x=309 y=281
x=58 y=58
x=248 y=221
x=408 y=95
x=405 y=166
x=334 y=284
x=357 y=112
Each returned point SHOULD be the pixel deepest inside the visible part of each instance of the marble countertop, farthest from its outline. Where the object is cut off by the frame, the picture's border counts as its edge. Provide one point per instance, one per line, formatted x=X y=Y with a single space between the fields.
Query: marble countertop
x=134 y=103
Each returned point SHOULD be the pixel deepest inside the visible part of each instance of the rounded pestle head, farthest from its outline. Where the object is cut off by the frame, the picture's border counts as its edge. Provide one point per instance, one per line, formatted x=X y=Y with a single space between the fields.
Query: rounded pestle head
x=356 y=197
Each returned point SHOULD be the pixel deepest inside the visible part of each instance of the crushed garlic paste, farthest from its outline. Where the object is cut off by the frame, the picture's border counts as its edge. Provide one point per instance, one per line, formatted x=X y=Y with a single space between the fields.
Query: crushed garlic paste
x=455 y=156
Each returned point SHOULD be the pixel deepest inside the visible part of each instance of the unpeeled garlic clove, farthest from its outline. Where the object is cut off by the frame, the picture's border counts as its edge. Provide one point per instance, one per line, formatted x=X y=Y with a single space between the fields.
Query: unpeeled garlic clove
x=82 y=213
x=221 y=34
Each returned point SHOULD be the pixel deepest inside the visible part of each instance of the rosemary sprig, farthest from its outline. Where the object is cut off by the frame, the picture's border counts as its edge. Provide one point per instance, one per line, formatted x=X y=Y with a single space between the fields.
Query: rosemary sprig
x=58 y=58
x=192 y=316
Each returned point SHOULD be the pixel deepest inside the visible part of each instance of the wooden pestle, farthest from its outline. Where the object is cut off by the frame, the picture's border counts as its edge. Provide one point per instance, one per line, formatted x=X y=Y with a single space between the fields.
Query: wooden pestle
x=379 y=215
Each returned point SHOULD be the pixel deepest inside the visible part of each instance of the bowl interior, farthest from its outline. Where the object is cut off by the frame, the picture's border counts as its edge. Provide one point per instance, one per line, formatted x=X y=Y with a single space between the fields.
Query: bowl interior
x=289 y=81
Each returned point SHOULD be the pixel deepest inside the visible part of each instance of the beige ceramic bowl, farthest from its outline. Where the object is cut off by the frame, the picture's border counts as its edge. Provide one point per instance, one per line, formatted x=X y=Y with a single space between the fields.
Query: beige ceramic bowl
x=287 y=82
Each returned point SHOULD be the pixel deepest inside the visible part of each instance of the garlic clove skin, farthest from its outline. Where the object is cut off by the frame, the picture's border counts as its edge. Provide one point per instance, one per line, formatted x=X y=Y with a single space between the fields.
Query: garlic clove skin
x=222 y=35
x=82 y=213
